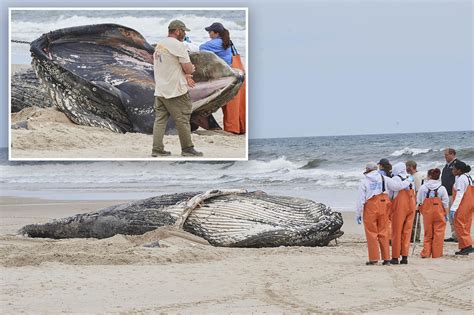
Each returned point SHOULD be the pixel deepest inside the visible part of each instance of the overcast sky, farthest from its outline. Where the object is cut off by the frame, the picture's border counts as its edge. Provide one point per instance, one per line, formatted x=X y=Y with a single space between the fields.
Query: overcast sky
x=342 y=67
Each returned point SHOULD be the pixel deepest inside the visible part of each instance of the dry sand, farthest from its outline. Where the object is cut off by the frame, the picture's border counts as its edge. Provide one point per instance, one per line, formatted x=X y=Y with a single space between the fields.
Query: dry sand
x=51 y=135
x=185 y=275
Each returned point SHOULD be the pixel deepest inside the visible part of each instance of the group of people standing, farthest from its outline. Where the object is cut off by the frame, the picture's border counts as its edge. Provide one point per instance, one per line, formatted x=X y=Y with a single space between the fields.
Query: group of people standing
x=173 y=72
x=391 y=197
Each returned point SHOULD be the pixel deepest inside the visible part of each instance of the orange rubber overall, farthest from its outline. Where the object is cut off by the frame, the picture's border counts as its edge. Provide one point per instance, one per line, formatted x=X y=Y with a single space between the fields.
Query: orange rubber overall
x=435 y=226
x=234 y=111
x=376 y=225
x=463 y=217
x=403 y=212
x=390 y=223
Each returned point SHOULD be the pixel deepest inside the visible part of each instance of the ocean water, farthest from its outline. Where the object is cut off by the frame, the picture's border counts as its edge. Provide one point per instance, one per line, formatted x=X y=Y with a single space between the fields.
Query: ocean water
x=27 y=25
x=326 y=169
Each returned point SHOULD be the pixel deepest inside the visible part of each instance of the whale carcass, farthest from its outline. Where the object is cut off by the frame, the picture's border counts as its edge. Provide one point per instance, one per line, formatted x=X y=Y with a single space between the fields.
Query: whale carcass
x=102 y=75
x=231 y=218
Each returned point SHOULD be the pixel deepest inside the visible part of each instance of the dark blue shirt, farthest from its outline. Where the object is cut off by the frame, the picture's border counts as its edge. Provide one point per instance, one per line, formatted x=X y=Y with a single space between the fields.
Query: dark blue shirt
x=215 y=45
x=447 y=177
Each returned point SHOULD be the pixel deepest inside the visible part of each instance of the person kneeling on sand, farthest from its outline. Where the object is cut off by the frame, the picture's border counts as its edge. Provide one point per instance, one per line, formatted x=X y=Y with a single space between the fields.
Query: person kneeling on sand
x=373 y=206
x=463 y=206
x=433 y=201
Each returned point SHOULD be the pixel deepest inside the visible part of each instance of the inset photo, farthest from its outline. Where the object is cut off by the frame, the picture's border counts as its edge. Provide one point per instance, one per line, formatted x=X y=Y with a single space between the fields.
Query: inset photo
x=128 y=84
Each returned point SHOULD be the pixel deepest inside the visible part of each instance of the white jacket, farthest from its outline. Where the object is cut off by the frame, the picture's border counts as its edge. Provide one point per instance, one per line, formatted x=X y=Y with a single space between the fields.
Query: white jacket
x=460 y=185
x=432 y=185
x=399 y=170
x=419 y=178
x=371 y=185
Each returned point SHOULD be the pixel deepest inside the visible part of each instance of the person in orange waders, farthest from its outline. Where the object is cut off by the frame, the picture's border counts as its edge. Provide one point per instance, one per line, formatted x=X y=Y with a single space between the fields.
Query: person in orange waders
x=385 y=168
x=222 y=46
x=235 y=110
x=374 y=203
x=463 y=206
x=434 y=204
x=403 y=212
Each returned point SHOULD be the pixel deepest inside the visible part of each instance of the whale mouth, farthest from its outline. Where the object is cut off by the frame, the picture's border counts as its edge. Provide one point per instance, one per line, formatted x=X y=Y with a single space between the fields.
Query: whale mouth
x=206 y=92
x=102 y=75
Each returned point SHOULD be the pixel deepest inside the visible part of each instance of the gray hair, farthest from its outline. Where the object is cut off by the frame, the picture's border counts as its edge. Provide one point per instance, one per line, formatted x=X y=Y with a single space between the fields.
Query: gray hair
x=371 y=166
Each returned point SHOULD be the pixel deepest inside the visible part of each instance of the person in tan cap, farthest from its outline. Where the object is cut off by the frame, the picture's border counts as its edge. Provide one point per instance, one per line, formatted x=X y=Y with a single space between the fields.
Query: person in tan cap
x=173 y=77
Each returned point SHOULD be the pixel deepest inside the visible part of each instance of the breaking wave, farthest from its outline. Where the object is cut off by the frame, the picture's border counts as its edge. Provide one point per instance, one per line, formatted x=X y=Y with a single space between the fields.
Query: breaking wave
x=313 y=164
x=410 y=152
x=187 y=174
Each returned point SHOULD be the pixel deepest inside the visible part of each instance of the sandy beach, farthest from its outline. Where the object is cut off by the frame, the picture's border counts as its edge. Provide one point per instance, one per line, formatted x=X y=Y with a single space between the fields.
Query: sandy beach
x=186 y=275
x=330 y=87
x=47 y=133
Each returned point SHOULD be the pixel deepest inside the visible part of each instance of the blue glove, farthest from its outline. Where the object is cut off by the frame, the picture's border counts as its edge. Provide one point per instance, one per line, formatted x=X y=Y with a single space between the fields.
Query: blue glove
x=451 y=214
x=411 y=179
x=358 y=219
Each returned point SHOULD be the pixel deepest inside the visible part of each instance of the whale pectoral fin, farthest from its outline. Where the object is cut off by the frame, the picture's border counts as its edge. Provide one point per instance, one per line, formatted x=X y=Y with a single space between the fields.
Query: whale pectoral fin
x=83 y=115
x=205 y=122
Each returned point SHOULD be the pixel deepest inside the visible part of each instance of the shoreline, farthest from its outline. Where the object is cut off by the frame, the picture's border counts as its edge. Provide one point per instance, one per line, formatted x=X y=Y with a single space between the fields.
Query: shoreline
x=338 y=199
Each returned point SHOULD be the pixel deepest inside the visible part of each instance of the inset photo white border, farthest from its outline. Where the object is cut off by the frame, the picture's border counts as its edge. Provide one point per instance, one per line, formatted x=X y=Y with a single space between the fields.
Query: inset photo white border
x=159 y=32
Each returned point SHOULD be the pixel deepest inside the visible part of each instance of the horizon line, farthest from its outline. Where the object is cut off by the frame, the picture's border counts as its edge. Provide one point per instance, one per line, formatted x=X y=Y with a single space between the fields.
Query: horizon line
x=362 y=134
x=368 y=134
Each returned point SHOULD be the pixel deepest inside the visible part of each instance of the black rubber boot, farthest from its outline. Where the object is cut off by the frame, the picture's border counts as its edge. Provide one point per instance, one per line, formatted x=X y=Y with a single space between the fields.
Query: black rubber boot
x=371 y=263
x=465 y=251
x=394 y=261
x=386 y=263
x=404 y=260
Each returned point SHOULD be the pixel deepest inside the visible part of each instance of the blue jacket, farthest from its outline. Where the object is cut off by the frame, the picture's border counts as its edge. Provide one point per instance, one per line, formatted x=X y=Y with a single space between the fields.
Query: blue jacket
x=215 y=45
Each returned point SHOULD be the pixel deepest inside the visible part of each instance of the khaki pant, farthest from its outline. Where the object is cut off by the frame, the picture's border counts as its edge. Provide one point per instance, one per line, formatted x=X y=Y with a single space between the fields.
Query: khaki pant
x=180 y=109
